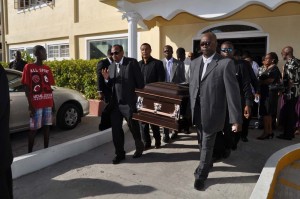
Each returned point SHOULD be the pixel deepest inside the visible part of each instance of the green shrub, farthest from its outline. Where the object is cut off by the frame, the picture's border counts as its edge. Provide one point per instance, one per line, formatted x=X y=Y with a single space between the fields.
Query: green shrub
x=79 y=75
x=4 y=64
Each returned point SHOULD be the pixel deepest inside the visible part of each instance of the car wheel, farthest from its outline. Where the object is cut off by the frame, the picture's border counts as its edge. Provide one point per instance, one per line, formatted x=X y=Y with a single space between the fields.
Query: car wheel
x=68 y=116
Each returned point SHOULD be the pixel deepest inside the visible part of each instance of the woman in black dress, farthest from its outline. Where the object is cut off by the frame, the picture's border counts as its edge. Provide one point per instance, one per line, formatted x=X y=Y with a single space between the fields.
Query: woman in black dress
x=269 y=82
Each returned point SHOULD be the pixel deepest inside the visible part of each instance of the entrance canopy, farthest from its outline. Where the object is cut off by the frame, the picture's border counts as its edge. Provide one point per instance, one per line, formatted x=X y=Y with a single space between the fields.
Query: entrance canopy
x=139 y=12
x=213 y=9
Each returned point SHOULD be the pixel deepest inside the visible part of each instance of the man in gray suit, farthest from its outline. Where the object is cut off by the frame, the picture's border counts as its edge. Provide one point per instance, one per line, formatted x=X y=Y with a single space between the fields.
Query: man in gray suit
x=213 y=87
x=175 y=73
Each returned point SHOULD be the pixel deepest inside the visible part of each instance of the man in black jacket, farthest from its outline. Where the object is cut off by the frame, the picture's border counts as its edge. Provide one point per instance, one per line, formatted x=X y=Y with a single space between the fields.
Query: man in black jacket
x=153 y=71
x=6 y=157
x=18 y=63
x=123 y=77
x=103 y=90
x=243 y=74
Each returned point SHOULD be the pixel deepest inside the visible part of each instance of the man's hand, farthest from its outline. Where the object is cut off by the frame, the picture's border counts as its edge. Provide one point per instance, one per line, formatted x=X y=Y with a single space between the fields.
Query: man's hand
x=236 y=128
x=247 y=112
x=101 y=96
x=105 y=73
x=31 y=111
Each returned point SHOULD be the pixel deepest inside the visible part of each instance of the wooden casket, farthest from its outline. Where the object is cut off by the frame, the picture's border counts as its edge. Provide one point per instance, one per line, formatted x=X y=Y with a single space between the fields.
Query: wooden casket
x=163 y=104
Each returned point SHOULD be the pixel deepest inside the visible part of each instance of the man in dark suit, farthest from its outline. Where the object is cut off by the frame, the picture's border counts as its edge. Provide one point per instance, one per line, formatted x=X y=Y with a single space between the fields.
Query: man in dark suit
x=153 y=71
x=6 y=157
x=175 y=73
x=212 y=79
x=104 y=91
x=227 y=140
x=124 y=76
x=18 y=63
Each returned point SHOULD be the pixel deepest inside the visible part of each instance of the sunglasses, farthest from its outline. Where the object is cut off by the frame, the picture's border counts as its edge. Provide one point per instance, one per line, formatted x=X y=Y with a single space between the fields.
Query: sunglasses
x=114 y=53
x=226 y=50
x=205 y=43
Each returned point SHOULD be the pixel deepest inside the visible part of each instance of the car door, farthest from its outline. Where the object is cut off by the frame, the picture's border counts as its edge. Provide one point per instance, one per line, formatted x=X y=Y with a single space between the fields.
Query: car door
x=19 y=115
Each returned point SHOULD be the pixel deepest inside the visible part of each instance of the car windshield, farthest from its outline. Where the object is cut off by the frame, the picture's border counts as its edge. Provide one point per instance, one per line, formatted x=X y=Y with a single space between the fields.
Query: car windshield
x=14 y=82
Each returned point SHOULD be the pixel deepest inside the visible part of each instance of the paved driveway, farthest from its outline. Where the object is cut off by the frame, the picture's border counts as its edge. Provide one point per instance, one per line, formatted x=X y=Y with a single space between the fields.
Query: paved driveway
x=88 y=125
x=160 y=173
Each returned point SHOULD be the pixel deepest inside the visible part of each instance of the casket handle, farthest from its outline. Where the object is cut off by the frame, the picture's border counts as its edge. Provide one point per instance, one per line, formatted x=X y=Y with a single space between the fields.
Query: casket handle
x=157 y=108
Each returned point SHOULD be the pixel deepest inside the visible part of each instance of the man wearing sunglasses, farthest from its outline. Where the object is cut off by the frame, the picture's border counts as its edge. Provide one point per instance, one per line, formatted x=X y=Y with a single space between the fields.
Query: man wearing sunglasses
x=123 y=76
x=212 y=87
x=246 y=77
x=104 y=91
x=175 y=73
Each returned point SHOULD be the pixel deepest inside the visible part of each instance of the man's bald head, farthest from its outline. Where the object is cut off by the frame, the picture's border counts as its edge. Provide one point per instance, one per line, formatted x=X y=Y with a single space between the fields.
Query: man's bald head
x=208 y=44
x=287 y=53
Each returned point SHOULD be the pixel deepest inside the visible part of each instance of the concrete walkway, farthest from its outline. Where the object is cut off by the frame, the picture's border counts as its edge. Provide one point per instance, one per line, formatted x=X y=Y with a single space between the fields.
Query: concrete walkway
x=164 y=173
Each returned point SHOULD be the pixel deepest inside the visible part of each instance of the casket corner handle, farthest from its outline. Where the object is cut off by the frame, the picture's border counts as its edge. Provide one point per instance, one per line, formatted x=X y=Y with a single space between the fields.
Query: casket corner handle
x=139 y=103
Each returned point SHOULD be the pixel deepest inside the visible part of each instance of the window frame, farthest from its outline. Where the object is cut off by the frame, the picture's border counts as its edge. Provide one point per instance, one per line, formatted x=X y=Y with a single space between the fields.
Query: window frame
x=103 y=38
x=25 y=5
x=30 y=46
x=59 y=45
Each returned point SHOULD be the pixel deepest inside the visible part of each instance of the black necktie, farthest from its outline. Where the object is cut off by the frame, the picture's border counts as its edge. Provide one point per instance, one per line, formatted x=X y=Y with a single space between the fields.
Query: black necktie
x=201 y=70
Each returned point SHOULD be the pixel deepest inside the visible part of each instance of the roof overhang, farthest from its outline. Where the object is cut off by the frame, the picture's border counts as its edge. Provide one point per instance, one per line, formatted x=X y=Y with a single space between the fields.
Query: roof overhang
x=167 y=9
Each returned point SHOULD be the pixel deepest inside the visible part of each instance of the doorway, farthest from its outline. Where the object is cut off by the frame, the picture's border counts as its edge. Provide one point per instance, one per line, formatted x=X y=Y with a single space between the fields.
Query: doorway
x=257 y=46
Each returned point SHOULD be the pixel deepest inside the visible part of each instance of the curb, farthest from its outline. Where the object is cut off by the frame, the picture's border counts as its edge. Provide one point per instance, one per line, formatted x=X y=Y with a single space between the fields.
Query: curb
x=265 y=185
x=32 y=162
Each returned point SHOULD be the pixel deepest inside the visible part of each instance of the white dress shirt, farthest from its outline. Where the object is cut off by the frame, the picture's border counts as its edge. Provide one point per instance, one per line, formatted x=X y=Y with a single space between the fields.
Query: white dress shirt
x=206 y=61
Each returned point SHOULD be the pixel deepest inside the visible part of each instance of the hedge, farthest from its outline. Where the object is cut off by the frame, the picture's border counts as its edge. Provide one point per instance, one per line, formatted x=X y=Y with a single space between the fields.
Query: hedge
x=78 y=74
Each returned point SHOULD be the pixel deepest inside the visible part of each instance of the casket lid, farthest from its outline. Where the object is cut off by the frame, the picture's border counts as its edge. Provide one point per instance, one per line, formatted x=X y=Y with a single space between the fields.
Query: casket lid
x=165 y=89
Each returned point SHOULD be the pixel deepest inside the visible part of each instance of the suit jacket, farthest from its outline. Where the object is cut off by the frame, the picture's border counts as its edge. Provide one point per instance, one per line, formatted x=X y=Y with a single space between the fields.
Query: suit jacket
x=6 y=156
x=178 y=71
x=123 y=85
x=153 y=71
x=218 y=90
x=243 y=69
x=102 y=87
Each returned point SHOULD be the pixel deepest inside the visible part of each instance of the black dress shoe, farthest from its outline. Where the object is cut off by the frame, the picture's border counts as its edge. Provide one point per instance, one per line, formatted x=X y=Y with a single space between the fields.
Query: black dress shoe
x=284 y=137
x=137 y=154
x=244 y=139
x=234 y=147
x=157 y=144
x=226 y=153
x=174 y=135
x=199 y=184
x=166 y=139
x=118 y=159
x=147 y=145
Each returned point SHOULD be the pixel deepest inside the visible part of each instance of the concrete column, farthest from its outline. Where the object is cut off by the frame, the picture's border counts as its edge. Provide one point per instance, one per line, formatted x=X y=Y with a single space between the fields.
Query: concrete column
x=132 y=18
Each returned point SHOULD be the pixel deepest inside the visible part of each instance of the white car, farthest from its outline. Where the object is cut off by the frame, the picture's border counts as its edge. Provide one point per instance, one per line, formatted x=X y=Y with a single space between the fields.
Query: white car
x=70 y=105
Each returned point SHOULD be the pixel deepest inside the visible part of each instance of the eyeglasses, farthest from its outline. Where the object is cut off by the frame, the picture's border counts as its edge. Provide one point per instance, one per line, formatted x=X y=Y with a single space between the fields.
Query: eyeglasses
x=205 y=43
x=226 y=50
x=114 y=53
x=166 y=51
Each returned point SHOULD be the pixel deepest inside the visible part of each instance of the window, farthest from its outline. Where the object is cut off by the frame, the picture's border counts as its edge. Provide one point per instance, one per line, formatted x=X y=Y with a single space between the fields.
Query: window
x=14 y=82
x=58 y=51
x=12 y=51
x=29 y=51
x=98 y=48
x=24 y=4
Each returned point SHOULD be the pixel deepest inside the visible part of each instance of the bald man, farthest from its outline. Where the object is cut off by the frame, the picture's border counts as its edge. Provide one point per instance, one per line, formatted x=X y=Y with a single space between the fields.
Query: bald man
x=213 y=87
x=291 y=80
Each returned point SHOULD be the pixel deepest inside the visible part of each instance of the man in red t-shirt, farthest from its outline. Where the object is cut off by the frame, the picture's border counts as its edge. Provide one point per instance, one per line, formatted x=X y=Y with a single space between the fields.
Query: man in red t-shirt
x=37 y=79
